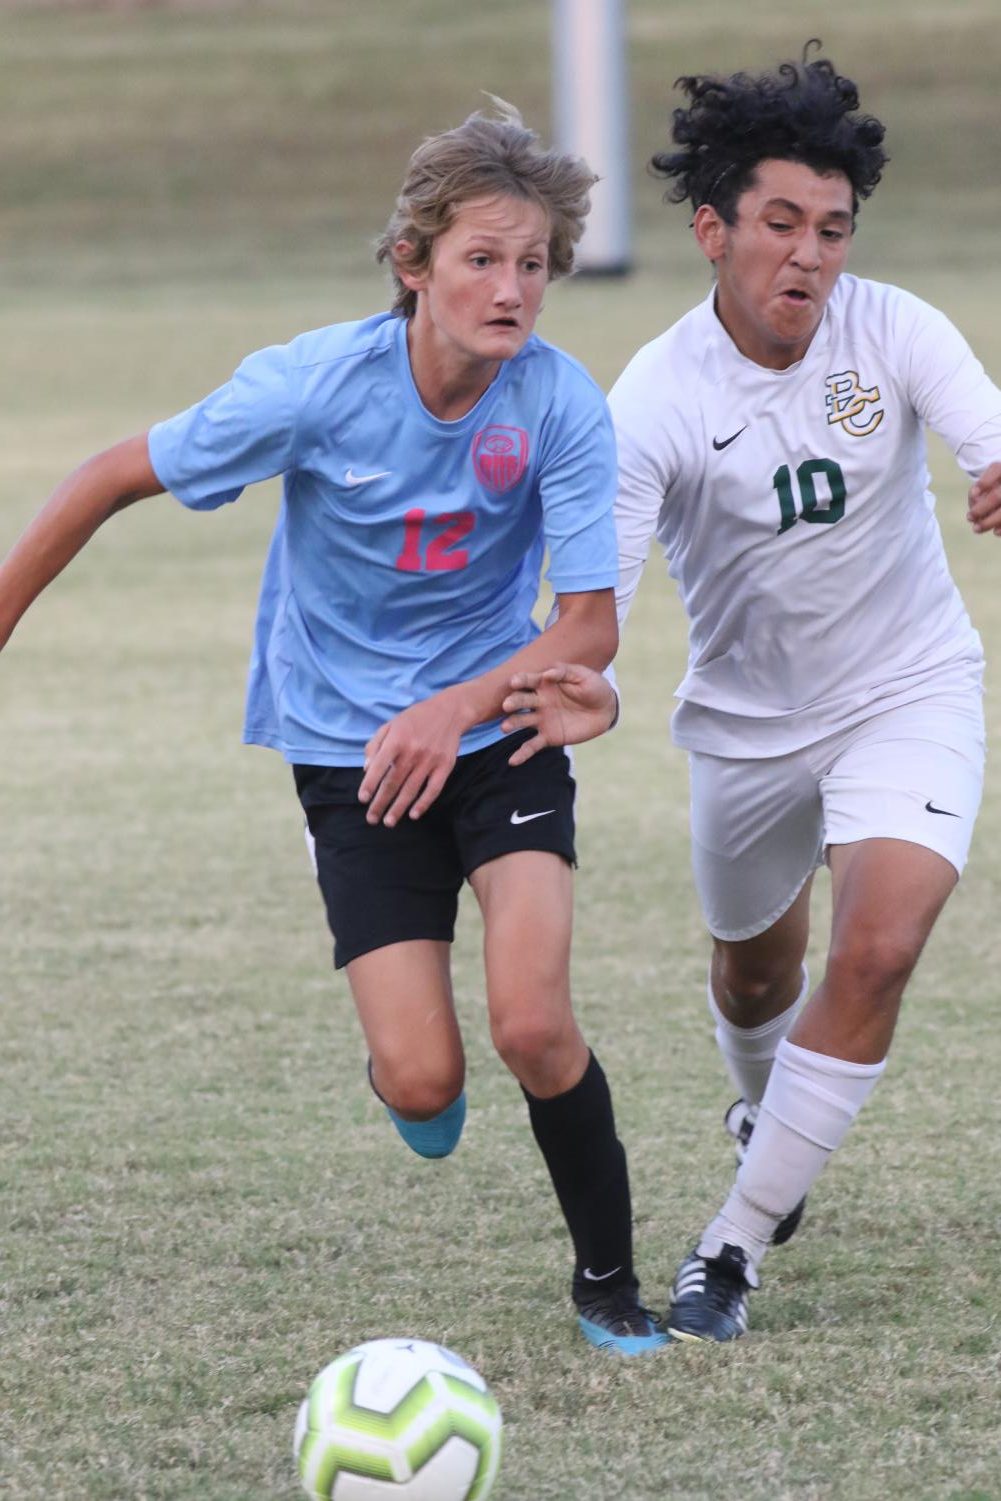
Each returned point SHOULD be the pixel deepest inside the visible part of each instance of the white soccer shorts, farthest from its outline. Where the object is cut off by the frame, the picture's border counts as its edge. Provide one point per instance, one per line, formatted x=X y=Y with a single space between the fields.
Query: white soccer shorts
x=760 y=827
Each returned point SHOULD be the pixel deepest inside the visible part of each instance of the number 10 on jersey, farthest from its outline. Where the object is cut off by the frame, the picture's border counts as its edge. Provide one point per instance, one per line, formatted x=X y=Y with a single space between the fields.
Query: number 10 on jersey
x=810 y=507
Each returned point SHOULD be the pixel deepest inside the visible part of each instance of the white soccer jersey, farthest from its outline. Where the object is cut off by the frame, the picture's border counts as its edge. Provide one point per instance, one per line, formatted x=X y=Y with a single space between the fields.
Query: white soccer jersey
x=794 y=510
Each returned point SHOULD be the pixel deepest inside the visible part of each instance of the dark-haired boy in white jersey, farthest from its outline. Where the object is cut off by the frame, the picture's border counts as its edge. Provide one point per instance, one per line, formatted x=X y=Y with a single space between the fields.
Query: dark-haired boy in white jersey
x=773 y=441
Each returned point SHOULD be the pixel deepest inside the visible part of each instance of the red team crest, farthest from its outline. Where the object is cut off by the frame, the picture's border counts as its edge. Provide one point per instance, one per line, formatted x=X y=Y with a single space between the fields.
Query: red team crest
x=500 y=457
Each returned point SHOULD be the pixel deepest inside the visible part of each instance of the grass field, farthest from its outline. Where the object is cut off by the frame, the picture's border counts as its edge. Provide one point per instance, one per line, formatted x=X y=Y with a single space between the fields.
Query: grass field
x=200 y=1201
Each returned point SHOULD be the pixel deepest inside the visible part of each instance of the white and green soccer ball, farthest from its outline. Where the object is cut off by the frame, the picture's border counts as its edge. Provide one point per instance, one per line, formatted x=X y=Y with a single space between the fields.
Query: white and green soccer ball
x=398 y=1420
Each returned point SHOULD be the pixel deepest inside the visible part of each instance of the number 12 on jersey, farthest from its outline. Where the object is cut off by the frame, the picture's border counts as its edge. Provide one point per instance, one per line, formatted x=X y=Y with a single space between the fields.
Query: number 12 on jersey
x=810 y=507
x=438 y=552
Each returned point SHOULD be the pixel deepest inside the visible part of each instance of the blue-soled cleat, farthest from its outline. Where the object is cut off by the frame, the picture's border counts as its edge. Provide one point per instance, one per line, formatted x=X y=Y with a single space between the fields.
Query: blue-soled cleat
x=615 y=1320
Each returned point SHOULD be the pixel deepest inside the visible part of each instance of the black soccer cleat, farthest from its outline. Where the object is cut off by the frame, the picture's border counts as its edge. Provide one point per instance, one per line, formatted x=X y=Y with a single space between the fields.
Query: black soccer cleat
x=739 y=1121
x=709 y=1296
x=614 y=1319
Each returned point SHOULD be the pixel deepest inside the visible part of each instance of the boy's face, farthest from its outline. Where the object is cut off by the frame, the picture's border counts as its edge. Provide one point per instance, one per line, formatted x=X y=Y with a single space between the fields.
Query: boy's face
x=482 y=292
x=777 y=265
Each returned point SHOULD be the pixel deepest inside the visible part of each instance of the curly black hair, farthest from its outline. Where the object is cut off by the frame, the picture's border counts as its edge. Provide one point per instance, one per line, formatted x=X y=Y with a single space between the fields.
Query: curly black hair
x=803 y=112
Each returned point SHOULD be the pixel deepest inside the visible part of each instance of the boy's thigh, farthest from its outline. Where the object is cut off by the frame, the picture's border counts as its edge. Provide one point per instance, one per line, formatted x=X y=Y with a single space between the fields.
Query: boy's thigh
x=757 y=836
x=514 y=826
x=498 y=809
x=403 y=995
x=385 y=886
x=760 y=827
x=912 y=774
x=526 y=898
x=380 y=885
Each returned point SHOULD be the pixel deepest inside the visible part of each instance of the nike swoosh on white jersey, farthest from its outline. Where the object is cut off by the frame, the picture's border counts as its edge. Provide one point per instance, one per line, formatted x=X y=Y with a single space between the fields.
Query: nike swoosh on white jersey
x=350 y=478
x=590 y=1276
x=720 y=443
x=527 y=817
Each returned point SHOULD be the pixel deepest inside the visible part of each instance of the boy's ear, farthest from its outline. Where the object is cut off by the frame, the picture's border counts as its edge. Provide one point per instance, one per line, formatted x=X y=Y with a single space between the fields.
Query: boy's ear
x=710 y=232
x=414 y=281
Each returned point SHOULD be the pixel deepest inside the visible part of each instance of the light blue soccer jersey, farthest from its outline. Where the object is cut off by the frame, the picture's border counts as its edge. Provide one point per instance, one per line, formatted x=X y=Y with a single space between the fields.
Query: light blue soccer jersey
x=407 y=551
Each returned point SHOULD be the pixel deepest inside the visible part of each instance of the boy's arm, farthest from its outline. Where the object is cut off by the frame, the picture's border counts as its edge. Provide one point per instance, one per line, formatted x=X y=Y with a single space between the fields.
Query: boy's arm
x=106 y=483
x=408 y=759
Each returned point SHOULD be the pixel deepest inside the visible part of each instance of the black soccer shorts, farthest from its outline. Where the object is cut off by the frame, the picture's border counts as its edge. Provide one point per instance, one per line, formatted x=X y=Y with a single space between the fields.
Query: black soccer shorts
x=389 y=885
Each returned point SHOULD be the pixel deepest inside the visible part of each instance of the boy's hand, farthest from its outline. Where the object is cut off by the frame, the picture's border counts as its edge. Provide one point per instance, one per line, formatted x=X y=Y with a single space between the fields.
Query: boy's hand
x=565 y=704
x=408 y=760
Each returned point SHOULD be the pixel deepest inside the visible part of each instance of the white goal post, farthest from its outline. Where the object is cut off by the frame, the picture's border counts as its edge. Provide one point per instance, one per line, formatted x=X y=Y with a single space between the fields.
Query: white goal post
x=590 y=110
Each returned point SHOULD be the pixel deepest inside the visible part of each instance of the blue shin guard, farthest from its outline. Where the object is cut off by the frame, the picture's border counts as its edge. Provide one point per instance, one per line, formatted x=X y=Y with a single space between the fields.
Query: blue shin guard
x=437 y=1137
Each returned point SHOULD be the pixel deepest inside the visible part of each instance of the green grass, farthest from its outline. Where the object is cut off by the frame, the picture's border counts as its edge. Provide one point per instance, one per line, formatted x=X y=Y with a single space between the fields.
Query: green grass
x=201 y=1201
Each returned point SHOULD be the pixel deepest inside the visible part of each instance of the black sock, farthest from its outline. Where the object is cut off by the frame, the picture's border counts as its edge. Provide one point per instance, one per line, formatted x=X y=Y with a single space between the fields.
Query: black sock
x=587 y=1163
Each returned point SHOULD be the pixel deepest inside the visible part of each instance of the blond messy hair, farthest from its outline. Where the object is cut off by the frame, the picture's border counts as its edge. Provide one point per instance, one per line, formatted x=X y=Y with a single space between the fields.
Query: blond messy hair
x=483 y=157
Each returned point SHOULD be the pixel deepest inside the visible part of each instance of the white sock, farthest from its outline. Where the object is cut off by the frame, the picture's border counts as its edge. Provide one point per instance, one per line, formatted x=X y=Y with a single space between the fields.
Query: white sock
x=809 y=1103
x=749 y=1052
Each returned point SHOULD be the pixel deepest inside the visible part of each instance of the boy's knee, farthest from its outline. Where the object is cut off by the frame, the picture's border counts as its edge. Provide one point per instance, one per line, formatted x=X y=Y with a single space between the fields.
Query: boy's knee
x=761 y=986
x=872 y=963
x=546 y=1055
x=416 y=1092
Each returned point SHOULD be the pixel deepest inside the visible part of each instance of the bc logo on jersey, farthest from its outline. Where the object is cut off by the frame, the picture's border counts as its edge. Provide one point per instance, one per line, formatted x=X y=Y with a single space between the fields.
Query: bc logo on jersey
x=851 y=404
x=500 y=457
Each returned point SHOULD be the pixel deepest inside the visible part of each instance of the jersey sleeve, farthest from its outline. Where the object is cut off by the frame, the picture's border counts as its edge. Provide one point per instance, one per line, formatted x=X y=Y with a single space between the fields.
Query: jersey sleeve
x=648 y=462
x=240 y=433
x=949 y=387
x=577 y=489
